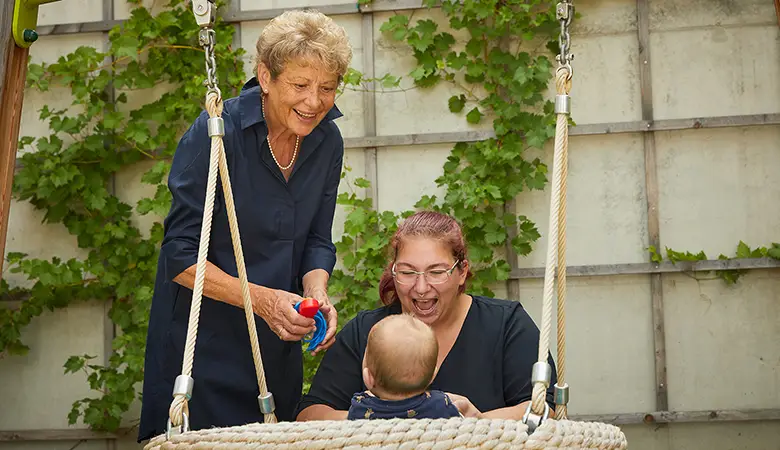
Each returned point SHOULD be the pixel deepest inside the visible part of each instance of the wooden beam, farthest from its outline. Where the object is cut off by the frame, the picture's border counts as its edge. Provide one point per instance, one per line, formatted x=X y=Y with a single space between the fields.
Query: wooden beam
x=369 y=109
x=653 y=268
x=731 y=415
x=13 y=75
x=582 y=130
x=720 y=416
x=642 y=126
x=601 y=270
x=651 y=196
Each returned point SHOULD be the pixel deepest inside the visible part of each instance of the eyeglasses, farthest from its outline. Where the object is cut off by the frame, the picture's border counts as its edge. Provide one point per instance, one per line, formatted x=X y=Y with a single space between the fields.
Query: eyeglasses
x=433 y=276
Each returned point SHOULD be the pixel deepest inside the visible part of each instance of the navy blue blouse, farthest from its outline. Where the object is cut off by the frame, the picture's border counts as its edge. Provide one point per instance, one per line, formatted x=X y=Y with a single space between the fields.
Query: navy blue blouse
x=285 y=229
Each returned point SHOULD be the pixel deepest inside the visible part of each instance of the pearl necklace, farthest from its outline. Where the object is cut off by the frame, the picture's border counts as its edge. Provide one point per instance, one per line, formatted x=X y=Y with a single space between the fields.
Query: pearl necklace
x=268 y=138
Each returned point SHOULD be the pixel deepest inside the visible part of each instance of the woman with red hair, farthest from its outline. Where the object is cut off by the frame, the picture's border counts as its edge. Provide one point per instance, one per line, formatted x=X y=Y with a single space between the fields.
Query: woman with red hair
x=487 y=346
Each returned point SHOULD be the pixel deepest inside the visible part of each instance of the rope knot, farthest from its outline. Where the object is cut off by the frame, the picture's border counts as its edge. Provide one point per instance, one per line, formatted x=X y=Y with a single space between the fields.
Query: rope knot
x=214 y=104
x=563 y=80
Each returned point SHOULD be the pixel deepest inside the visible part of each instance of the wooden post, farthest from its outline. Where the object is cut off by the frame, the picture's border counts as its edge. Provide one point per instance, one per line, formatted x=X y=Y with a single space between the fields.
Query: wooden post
x=651 y=191
x=369 y=107
x=13 y=72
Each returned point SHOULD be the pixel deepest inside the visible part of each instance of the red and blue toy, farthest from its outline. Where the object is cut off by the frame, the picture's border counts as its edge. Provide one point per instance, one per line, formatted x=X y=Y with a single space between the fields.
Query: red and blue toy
x=310 y=308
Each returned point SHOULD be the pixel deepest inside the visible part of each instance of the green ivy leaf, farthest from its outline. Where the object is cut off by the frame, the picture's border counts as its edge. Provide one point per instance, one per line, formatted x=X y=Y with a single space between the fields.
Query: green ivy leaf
x=457 y=102
x=474 y=116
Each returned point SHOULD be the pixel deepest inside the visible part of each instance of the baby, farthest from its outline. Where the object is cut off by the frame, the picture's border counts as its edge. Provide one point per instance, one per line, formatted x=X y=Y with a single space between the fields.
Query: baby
x=398 y=366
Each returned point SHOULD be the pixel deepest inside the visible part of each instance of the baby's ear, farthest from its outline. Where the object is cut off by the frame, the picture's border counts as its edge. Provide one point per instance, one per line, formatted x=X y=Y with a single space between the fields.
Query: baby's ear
x=368 y=378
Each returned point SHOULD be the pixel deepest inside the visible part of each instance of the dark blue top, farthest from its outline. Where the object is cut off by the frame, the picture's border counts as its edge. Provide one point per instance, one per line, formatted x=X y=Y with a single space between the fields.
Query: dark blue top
x=428 y=405
x=285 y=229
x=489 y=363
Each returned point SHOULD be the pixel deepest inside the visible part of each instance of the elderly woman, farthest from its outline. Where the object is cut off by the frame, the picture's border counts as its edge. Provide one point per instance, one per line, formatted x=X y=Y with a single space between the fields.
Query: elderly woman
x=487 y=346
x=285 y=158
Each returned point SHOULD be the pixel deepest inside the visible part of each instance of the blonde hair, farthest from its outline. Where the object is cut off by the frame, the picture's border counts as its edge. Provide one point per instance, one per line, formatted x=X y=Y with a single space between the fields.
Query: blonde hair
x=401 y=354
x=304 y=36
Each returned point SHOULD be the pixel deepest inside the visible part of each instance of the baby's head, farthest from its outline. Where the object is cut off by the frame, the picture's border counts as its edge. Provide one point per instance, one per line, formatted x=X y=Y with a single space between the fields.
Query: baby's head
x=400 y=358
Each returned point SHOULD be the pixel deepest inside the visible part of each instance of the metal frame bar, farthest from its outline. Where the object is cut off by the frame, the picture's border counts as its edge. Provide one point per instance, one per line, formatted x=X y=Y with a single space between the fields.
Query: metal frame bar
x=657 y=417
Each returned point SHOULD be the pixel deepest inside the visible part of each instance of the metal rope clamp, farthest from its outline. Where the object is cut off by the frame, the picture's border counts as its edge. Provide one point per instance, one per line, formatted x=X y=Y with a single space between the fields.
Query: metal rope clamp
x=540 y=373
x=182 y=386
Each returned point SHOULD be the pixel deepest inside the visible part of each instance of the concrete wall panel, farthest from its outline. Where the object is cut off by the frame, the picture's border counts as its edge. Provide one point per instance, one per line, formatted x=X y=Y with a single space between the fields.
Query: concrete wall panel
x=676 y=14
x=724 y=436
x=55 y=445
x=418 y=165
x=716 y=188
x=609 y=342
x=721 y=341
x=122 y=8
x=605 y=87
x=35 y=383
x=716 y=71
x=131 y=190
x=408 y=109
x=604 y=17
x=606 y=221
x=247 y=5
x=70 y=11
x=697 y=436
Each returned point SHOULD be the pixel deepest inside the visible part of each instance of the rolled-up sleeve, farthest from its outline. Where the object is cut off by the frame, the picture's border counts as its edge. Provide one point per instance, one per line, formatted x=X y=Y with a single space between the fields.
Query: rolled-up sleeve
x=187 y=184
x=320 y=252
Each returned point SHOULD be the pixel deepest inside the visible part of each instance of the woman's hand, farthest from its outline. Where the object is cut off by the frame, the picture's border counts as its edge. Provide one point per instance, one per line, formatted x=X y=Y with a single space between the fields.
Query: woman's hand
x=465 y=406
x=331 y=317
x=277 y=308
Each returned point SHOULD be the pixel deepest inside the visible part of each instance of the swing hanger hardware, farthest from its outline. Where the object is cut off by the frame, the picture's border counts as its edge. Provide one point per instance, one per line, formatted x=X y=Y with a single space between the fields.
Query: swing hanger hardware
x=205 y=12
x=564 y=12
x=205 y=15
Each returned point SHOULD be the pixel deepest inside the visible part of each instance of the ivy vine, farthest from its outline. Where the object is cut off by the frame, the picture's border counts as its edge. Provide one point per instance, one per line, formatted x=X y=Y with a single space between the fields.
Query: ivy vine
x=501 y=74
x=729 y=276
x=68 y=176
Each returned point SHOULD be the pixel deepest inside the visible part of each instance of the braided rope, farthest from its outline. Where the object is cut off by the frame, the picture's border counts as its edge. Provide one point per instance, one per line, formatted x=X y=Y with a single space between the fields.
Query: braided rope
x=179 y=406
x=558 y=183
x=218 y=160
x=241 y=265
x=563 y=87
x=439 y=434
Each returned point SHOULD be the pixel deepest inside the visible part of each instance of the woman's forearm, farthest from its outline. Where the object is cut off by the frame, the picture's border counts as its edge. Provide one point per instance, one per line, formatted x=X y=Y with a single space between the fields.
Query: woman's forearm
x=218 y=285
x=321 y=412
x=510 y=412
x=314 y=281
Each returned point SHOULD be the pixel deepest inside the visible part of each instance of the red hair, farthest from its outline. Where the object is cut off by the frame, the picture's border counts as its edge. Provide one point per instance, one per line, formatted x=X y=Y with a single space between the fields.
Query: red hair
x=428 y=224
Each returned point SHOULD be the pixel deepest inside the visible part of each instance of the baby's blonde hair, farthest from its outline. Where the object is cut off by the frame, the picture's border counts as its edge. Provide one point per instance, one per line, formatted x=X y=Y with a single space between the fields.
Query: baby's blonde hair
x=304 y=36
x=401 y=354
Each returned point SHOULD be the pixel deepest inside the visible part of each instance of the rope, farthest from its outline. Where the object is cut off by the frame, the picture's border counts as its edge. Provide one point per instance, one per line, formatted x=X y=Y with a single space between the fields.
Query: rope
x=241 y=265
x=180 y=402
x=563 y=87
x=179 y=406
x=558 y=193
x=439 y=434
